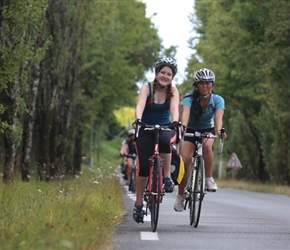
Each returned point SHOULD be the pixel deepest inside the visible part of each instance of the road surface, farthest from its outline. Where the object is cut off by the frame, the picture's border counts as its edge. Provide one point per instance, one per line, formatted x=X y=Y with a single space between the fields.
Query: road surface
x=230 y=219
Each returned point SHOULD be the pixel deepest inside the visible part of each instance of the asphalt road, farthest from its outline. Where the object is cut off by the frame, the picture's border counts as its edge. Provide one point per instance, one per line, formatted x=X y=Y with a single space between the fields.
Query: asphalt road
x=230 y=219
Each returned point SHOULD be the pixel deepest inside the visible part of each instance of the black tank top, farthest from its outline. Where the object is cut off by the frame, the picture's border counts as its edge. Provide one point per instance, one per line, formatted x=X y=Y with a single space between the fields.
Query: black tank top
x=131 y=147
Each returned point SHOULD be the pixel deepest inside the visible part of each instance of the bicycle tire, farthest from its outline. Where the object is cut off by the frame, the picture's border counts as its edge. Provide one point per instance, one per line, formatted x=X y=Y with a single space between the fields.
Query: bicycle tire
x=133 y=180
x=197 y=193
x=155 y=193
x=191 y=194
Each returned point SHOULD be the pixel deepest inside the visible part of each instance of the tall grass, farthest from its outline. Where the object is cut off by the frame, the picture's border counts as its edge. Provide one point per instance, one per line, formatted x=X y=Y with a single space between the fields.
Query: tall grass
x=254 y=186
x=77 y=213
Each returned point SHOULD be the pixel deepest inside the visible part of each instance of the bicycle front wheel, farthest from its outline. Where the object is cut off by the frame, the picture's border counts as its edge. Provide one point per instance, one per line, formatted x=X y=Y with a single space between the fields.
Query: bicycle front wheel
x=133 y=180
x=155 y=193
x=197 y=192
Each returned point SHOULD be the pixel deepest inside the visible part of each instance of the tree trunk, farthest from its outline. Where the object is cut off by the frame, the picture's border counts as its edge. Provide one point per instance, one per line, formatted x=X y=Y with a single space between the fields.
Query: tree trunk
x=10 y=154
x=29 y=126
x=77 y=158
x=11 y=136
x=45 y=126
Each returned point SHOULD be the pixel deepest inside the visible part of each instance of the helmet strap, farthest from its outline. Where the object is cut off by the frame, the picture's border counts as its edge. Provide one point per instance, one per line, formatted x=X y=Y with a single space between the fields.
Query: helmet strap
x=204 y=96
x=207 y=95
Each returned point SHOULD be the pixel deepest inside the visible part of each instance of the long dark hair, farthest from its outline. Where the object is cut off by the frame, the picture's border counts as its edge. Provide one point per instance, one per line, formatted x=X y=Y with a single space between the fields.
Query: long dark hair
x=196 y=108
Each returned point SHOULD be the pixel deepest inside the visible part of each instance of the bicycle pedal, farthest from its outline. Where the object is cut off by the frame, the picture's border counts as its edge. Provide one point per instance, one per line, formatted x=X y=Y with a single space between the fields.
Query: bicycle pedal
x=141 y=220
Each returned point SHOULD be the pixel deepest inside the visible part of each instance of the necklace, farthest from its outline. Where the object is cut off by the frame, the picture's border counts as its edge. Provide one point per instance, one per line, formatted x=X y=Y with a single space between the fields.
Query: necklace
x=204 y=104
x=204 y=101
x=203 y=107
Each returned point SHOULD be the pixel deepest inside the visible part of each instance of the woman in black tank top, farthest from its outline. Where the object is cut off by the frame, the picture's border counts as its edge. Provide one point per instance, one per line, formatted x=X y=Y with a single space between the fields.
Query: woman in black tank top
x=158 y=101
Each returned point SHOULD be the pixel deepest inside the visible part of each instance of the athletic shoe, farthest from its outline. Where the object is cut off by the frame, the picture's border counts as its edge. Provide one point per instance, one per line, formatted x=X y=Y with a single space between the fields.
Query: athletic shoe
x=138 y=213
x=168 y=184
x=179 y=203
x=210 y=184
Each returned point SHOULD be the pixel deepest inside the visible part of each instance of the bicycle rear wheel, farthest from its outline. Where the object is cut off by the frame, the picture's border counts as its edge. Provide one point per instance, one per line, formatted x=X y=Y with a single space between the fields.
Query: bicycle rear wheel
x=155 y=193
x=197 y=192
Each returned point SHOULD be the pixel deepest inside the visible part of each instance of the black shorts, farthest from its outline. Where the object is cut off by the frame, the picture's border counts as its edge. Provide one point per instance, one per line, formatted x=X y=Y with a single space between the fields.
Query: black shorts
x=145 y=147
x=191 y=130
x=132 y=155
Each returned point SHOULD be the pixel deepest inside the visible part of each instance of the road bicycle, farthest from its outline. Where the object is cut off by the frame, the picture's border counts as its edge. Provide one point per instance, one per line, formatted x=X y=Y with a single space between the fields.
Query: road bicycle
x=132 y=183
x=154 y=191
x=123 y=166
x=195 y=188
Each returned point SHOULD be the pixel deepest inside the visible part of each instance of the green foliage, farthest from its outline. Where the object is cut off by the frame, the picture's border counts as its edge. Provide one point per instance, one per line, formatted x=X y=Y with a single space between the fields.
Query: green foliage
x=121 y=45
x=125 y=116
x=118 y=54
x=20 y=27
x=245 y=44
x=79 y=60
x=114 y=128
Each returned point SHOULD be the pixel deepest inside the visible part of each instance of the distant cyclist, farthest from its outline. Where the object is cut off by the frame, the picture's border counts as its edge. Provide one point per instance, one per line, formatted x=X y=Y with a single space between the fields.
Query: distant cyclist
x=202 y=110
x=129 y=151
x=124 y=158
x=157 y=101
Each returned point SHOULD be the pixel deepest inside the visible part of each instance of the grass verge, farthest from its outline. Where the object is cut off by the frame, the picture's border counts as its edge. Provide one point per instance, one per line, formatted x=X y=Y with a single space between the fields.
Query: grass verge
x=253 y=186
x=79 y=213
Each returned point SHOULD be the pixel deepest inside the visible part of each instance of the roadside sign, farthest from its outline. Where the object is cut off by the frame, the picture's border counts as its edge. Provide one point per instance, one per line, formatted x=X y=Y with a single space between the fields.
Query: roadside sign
x=234 y=162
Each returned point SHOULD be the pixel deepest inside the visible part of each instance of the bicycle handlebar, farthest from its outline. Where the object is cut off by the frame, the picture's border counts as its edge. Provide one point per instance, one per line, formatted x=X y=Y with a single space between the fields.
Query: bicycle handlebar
x=201 y=135
x=129 y=155
x=152 y=127
x=210 y=136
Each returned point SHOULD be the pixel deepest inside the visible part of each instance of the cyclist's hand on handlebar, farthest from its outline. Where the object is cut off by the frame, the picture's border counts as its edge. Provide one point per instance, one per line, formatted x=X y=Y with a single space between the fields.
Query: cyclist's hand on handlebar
x=173 y=124
x=222 y=134
x=136 y=123
x=178 y=125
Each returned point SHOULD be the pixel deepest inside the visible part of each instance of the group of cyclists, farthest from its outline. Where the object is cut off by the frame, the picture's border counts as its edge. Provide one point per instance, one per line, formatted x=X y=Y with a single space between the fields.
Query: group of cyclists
x=159 y=103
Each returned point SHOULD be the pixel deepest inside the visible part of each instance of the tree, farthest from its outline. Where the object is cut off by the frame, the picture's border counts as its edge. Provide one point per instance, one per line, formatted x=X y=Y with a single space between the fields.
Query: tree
x=18 y=38
x=122 y=45
x=70 y=64
x=241 y=41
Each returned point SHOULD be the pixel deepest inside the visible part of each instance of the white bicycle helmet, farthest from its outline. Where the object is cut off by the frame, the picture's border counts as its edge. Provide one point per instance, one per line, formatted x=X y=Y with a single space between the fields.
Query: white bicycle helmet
x=203 y=75
x=131 y=132
x=166 y=62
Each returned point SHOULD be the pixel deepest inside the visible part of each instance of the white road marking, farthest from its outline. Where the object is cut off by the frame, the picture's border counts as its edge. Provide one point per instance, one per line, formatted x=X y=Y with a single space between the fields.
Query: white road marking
x=147 y=218
x=149 y=235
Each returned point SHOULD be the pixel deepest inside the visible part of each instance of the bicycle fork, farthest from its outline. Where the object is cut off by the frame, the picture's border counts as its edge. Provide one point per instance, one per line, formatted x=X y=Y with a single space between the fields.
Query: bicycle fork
x=150 y=189
x=192 y=184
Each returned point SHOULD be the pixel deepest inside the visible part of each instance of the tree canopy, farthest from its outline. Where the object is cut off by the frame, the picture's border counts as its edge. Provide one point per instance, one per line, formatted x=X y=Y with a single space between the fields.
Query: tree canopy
x=246 y=43
x=64 y=70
